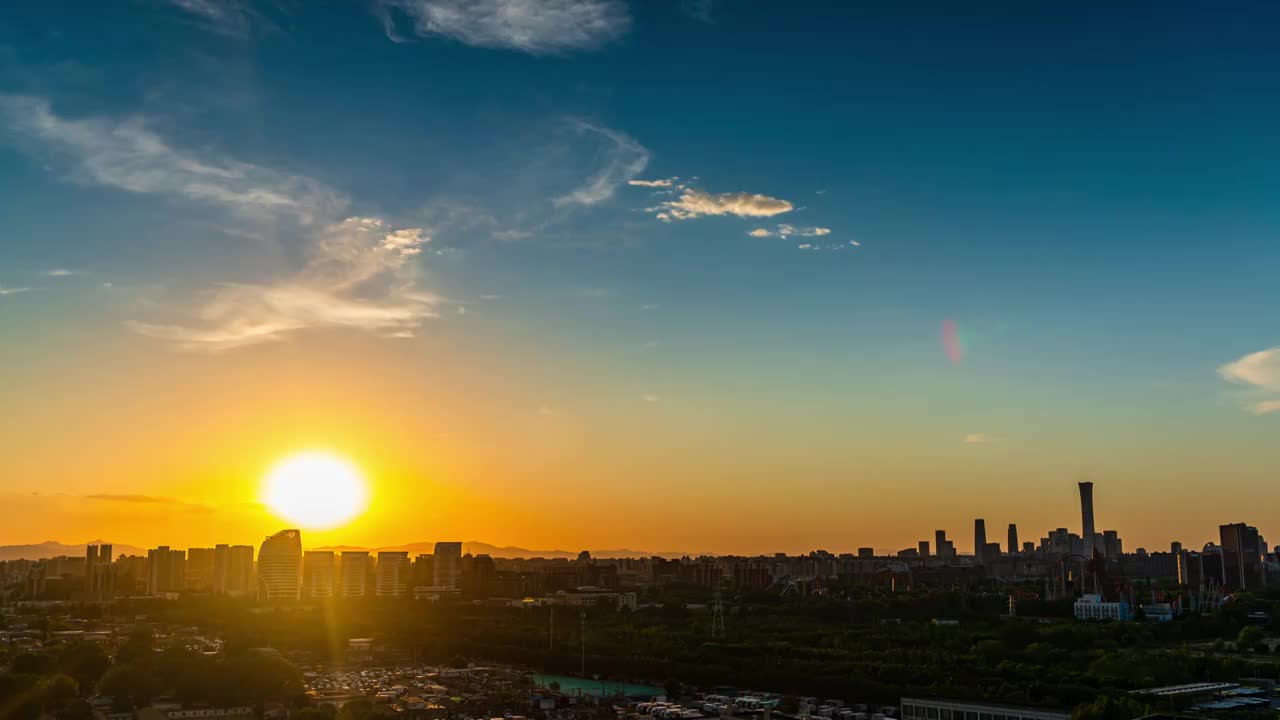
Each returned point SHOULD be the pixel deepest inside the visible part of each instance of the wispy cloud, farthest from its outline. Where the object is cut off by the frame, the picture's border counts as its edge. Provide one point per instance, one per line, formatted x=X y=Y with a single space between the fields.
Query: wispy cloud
x=1260 y=371
x=357 y=272
x=12 y=290
x=62 y=272
x=128 y=156
x=979 y=439
x=786 y=231
x=624 y=159
x=228 y=17
x=358 y=276
x=694 y=203
x=650 y=398
x=662 y=183
x=537 y=27
x=148 y=500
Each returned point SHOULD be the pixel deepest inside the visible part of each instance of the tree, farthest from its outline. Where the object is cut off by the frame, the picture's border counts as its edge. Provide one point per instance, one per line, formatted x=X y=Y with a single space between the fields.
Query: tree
x=32 y=664
x=1109 y=707
x=1249 y=638
x=130 y=685
x=85 y=662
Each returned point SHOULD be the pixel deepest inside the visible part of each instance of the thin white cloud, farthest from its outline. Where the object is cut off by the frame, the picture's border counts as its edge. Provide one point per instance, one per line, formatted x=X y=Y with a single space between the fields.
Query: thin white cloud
x=62 y=272
x=694 y=203
x=786 y=231
x=12 y=290
x=624 y=160
x=358 y=276
x=537 y=27
x=225 y=16
x=978 y=439
x=128 y=156
x=650 y=398
x=1260 y=369
x=661 y=183
x=1265 y=407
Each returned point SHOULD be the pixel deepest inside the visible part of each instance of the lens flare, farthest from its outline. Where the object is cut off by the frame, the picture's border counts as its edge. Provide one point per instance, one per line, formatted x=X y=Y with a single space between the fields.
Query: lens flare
x=953 y=343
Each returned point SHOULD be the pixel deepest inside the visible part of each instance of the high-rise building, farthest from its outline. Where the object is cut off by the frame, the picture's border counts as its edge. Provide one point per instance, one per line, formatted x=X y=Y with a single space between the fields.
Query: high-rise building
x=1028 y=548
x=200 y=566
x=166 y=570
x=1013 y=538
x=923 y=548
x=280 y=566
x=354 y=572
x=99 y=574
x=979 y=539
x=1242 y=567
x=232 y=569
x=318 y=574
x=448 y=565
x=1086 y=517
x=394 y=574
x=424 y=570
x=1111 y=544
x=939 y=542
x=866 y=552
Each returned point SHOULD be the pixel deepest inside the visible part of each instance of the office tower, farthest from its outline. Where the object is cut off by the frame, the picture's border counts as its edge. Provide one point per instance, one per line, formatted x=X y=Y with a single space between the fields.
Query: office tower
x=424 y=570
x=318 y=574
x=394 y=574
x=232 y=569
x=280 y=566
x=940 y=543
x=200 y=564
x=1013 y=539
x=1028 y=548
x=1086 y=517
x=979 y=539
x=448 y=564
x=99 y=574
x=131 y=575
x=1111 y=544
x=1242 y=567
x=1175 y=547
x=354 y=573
x=866 y=552
x=166 y=570
x=923 y=548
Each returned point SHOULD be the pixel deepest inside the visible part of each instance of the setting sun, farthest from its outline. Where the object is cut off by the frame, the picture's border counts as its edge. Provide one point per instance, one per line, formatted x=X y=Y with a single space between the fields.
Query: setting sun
x=315 y=490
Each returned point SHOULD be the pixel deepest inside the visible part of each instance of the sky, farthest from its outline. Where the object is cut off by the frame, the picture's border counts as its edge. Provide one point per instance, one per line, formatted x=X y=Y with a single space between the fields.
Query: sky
x=673 y=275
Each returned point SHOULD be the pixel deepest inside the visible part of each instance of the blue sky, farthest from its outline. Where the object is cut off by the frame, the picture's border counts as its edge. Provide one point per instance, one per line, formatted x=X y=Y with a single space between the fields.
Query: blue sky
x=561 y=197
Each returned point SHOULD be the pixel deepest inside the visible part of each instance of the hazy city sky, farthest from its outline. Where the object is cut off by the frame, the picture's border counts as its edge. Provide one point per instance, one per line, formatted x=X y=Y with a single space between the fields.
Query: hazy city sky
x=670 y=275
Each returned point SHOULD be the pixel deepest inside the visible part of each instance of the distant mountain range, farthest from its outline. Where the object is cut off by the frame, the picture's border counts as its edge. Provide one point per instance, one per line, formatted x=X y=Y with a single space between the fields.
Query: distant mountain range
x=481 y=548
x=52 y=548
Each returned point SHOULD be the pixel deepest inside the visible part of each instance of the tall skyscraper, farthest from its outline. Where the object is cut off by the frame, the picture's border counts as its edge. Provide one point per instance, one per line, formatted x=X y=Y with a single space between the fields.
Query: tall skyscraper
x=1242 y=567
x=166 y=570
x=280 y=566
x=232 y=569
x=354 y=573
x=448 y=564
x=318 y=574
x=1013 y=538
x=200 y=569
x=394 y=574
x=1086 y=517
x=99 y=574
x=923 y=548
x=979 y=539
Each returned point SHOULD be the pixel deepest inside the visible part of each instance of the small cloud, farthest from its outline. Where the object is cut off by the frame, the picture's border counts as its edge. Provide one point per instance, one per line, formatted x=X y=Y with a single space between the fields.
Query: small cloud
x=222 y=16
x=490 y=296
x=666 y=183
x=545 y=411
x=650 y=397
x=1264 y=407
x=510 y=235
x=12 y=290
x=761 y=233
x=694 y=203
x=650 y=306
x=806 y=246
x=786 y=231
x=979 y=439
x=855 y=243
x=62 y=272
x=1261 y=371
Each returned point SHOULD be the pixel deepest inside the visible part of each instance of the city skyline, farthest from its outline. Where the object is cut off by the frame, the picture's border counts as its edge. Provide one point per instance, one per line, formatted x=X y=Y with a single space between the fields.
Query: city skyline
x=620 y=274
